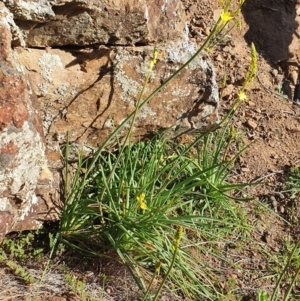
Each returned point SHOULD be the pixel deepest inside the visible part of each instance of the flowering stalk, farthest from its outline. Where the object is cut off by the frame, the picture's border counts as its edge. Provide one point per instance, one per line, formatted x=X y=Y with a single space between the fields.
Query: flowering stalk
x=150 y=68
x=225 y=17
x=156 y=272
x=178 y=237
x=249 y=77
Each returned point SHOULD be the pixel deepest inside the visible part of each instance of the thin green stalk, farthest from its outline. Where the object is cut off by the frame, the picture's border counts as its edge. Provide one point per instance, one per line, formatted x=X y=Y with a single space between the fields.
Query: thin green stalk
x=287 y=294
x=129 y=133
x=156 y=272
x=66 y=186
x=176 y=247
x=47 y=264
x=284 y=271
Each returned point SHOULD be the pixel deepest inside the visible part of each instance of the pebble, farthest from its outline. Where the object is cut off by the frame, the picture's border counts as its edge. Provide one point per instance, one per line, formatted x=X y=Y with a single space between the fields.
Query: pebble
x=252 y=124
x=274 y=72
x=275 y=204
x=227 y=91
x=218 y=58
x=294 y=77
x=245 y=169
x=281 y=195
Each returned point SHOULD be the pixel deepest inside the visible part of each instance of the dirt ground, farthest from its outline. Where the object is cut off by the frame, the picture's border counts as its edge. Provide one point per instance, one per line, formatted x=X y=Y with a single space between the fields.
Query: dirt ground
x=269 y=120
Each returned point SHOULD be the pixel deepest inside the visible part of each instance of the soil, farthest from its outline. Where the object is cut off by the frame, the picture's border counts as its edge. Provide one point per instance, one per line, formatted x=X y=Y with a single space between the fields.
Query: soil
x=268 y=121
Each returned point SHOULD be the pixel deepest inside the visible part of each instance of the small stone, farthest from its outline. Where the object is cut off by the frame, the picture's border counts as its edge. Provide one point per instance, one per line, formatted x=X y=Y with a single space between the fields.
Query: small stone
x=272 y=144
x=227 y=91
x=275 y=204
x=251 y=124
x=218 y=58
x=245 y=169
x=294 y=77
x=274 y=156
x=274 y=72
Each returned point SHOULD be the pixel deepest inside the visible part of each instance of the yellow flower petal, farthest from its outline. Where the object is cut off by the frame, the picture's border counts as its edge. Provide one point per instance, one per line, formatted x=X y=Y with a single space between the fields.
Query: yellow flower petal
x=140 y=198
x=226 y=16
x=242 y=96
x=143 y=206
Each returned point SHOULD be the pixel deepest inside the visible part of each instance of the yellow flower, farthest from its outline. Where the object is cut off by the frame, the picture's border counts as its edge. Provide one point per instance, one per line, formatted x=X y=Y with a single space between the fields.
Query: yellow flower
x=242 y=96
x=143 y=206
x=226 y=16
x=154 y=59
x=140 y=198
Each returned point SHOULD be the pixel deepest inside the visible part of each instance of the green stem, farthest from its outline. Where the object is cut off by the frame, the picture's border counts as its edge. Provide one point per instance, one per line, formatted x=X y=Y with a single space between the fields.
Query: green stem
x=128 y=135
x=287 y=294
x=167 y=274
x=284 y=270
x=150 y=285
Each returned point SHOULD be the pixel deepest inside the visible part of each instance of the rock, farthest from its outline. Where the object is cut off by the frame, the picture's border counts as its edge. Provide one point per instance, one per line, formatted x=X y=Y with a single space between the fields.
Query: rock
x=251 y=124
x=90 y=103
x=66 y=22
x=227 y=91
x=294 y=76
x=22 y=144
x=88 y=84
x=274 y=72
x=219 y=58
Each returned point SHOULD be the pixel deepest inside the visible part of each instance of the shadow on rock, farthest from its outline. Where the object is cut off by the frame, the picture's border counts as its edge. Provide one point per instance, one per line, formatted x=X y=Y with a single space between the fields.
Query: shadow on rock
x=271 y=27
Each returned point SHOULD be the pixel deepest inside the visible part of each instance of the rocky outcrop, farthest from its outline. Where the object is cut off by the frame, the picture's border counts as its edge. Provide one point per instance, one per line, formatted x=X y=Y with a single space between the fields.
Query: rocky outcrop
x=85 y=62
x=22 y=145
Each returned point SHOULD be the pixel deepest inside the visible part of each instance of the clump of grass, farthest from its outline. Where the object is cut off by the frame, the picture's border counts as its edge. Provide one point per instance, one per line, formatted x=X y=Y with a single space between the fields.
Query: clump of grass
x=135 y=199
x=154 y=188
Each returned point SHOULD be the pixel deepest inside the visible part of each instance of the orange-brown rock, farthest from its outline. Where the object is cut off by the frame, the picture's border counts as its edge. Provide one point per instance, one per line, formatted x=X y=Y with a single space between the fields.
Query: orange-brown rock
x=22 y=146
